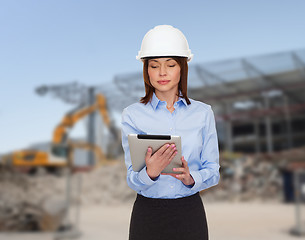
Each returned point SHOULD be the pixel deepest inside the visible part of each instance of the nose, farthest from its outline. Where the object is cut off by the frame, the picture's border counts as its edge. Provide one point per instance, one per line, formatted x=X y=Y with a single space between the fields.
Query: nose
x=162 y=70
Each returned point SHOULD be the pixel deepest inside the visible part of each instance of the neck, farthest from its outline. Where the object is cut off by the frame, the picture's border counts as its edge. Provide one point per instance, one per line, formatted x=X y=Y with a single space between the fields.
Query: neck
x=170 y=98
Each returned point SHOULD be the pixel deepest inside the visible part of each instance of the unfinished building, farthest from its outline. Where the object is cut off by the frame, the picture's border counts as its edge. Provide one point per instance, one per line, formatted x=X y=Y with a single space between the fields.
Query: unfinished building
x=259 y=101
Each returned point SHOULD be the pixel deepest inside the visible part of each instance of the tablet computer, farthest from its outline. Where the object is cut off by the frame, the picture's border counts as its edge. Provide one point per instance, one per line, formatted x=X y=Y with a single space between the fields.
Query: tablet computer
x=139 y=143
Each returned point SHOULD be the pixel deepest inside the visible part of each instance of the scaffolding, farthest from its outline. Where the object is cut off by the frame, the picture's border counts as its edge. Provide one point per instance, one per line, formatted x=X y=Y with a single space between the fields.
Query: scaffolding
x=258 y=101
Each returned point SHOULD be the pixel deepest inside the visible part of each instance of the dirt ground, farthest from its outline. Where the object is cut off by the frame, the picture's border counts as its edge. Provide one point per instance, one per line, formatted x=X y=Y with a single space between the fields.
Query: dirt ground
x=227 y=221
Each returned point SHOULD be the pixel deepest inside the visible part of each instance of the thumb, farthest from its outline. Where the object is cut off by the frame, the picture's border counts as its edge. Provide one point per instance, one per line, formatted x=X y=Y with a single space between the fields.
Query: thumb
x=184 y=162
x=148 y=153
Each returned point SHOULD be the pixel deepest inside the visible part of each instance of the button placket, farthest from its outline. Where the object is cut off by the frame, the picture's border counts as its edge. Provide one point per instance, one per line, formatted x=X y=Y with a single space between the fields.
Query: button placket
x=172 y=124
x=172 y=185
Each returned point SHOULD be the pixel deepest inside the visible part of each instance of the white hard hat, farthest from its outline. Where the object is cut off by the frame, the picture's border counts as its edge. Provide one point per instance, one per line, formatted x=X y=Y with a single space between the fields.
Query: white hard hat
x=164 y=40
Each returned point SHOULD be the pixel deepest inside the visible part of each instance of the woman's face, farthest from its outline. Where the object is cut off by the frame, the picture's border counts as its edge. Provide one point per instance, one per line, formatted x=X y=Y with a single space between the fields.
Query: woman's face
x=164 y=74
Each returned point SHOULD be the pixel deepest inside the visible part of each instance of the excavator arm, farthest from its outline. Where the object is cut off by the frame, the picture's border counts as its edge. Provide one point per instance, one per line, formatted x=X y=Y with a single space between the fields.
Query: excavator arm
x=60 y=146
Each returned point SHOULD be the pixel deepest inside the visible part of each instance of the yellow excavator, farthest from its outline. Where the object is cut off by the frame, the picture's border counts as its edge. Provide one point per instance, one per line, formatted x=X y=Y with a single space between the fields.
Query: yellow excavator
x=61 y=151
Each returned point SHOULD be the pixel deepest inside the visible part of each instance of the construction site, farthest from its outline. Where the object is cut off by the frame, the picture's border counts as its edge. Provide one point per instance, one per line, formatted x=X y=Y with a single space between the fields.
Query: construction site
x=65 y=189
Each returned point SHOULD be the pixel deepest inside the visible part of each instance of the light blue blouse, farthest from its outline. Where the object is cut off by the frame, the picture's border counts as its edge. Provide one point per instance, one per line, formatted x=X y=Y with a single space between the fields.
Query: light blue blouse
x=195 y=123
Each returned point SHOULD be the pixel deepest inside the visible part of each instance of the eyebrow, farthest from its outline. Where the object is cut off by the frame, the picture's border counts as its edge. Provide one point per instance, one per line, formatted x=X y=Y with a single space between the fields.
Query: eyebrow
x=158 y=61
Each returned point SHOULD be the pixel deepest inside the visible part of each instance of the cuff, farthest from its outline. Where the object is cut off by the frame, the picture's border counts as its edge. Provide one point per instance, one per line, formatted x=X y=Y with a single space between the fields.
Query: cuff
x=144 y=178
x=198 y=180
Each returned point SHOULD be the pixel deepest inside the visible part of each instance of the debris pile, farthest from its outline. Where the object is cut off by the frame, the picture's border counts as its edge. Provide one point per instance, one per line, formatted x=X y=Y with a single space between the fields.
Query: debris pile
x=30 y=203
x=248 y=178
x=38 y=203
x=106 y=185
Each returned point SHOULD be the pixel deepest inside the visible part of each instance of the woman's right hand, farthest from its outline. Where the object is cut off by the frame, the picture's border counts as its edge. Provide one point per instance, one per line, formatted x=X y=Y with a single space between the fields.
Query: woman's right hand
x=159 y=160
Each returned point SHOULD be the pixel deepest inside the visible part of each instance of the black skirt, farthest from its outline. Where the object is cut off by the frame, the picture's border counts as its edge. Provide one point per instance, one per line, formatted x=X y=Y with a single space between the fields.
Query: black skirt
x=181 y=218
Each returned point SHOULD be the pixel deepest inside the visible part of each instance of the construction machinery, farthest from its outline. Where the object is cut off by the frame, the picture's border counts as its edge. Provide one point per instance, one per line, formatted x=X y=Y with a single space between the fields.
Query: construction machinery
x=61 y=150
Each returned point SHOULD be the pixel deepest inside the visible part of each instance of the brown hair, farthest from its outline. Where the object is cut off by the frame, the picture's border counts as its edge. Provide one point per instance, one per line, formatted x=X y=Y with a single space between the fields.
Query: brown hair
x=182 y=86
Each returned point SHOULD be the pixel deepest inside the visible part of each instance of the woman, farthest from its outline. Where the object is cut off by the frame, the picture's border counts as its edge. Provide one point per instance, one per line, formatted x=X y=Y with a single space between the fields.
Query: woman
x=168 y=206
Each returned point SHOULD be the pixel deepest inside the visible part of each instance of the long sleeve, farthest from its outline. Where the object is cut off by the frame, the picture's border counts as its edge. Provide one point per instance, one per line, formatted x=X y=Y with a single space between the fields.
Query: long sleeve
x=195 y=124
x=138 y=181
x=208 y=175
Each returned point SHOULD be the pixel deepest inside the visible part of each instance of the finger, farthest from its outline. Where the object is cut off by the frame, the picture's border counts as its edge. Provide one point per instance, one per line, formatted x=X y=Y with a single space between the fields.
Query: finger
x=163 y=148
x=170 y=174
x=148 y=153
x=173 y=154
x=169 y=151
x=179 y=169
x=184 y=162
x=180 y=176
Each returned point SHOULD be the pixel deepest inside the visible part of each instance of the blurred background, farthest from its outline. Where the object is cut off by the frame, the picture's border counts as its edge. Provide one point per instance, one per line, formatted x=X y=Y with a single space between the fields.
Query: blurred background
x=68 y=69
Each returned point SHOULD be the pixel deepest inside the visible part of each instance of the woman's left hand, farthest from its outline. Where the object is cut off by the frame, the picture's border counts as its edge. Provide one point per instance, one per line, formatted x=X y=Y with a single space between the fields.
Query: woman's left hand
x=184 y=176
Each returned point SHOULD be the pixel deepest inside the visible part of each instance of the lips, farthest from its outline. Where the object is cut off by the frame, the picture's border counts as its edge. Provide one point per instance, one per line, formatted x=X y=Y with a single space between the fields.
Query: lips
x=163 y=82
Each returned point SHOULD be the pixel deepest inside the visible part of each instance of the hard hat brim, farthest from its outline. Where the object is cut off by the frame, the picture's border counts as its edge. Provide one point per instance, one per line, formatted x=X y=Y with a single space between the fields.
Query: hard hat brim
x=142 y=57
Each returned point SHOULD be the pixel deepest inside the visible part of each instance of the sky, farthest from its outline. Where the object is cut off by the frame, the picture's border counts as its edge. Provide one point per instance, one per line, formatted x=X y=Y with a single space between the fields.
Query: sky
x=59 y=41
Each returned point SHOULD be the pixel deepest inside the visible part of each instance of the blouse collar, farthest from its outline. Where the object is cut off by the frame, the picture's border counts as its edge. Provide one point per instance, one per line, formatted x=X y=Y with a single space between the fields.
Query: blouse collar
x=155 y=101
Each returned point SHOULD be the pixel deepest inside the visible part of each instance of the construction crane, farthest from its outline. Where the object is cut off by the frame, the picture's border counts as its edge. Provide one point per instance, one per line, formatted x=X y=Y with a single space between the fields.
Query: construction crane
x=60 y=144
x=81 y=95
x=61 y=151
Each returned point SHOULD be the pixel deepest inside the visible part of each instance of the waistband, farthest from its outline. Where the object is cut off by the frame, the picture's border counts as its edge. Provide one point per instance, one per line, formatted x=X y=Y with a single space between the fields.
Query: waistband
x=165 y=201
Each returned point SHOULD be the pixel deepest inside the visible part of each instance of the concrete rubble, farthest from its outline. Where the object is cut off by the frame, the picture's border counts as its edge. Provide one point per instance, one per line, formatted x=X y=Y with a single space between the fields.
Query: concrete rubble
x=37 y=203
x=248 y=179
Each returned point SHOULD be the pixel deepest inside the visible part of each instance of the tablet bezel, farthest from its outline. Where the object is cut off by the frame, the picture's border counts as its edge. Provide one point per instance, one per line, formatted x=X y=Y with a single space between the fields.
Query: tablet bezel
x=139 y=143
